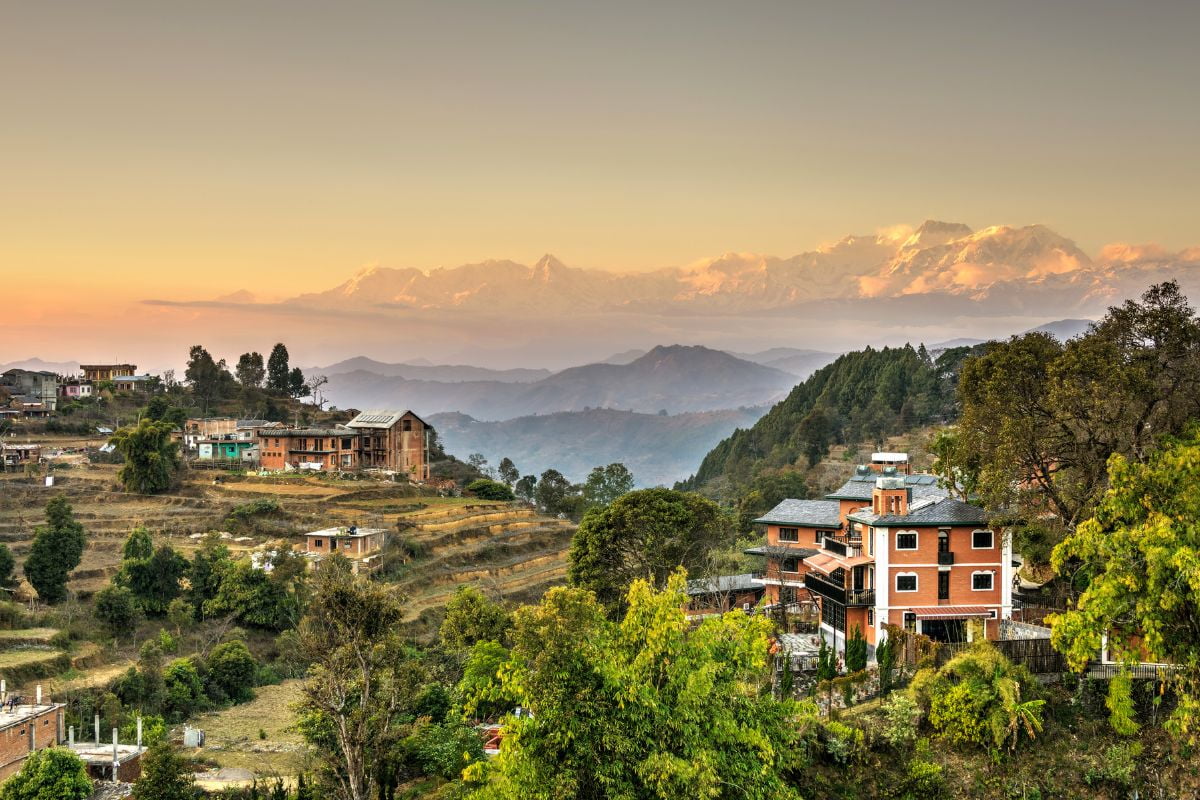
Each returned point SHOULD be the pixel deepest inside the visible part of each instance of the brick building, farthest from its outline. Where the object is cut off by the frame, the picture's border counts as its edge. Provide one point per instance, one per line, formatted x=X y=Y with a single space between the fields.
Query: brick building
x=25 y=727
x=889 y=548
x=361 y=545
x=397 y=441
x=324 y=449
x=32 y=387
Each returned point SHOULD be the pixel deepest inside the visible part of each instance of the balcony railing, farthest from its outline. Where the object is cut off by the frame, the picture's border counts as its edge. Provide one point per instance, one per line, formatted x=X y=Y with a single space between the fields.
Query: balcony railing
x=846 y=547
x=945 y=559
x=828 y=587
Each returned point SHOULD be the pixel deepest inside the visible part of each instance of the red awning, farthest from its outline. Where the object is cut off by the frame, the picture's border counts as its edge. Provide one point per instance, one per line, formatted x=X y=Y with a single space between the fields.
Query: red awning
x=822 y=563
x=952 y=612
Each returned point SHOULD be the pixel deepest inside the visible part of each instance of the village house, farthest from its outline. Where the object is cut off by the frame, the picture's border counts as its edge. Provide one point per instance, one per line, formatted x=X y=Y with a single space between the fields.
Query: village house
x=320 y=449
x=889 y=548
x=722 y=593
x=16 y=456
x=106 y=372
x=396 y=441
x=134 y=384
x=212 y=430
x=74 y=389
x=31 y=389
x=26 y=727
x=362 y=546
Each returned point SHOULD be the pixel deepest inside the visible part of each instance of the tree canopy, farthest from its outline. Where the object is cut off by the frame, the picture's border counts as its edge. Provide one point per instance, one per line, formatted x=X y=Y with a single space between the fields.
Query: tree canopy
x=56 y=550
x=51 y=774
x=645 y=534
x=151 y=456
x=606 y=484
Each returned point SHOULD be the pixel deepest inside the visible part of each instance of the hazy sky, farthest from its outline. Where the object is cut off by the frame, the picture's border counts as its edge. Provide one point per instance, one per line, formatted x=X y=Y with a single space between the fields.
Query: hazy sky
x=191 y=149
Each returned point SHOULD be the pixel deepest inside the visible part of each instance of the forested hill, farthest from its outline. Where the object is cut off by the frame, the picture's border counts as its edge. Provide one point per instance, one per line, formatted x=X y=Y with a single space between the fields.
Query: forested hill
x=861 y=397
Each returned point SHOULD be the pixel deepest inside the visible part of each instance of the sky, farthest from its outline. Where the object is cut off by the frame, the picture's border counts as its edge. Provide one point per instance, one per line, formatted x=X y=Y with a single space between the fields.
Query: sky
x=190 y=150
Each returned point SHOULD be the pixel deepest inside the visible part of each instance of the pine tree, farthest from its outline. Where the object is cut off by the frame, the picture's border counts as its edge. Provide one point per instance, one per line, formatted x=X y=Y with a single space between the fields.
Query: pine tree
x=277 y=369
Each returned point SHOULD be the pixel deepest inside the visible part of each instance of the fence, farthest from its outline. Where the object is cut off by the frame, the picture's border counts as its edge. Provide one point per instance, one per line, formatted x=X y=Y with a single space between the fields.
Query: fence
x=1038 y=655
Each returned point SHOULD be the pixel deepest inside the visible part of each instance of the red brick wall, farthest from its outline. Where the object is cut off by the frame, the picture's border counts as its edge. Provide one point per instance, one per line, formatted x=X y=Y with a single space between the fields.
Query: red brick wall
x=15 y=740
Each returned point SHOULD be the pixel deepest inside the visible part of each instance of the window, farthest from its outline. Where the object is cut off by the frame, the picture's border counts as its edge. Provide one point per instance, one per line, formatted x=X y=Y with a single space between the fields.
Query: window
x=789 y=535
x=906 y=540
x=345 y=444
x=981 y=540
x=910 y=622
x=982 y=581
x=819 y=537
x=787 y=594
x=870 y=616
x=407 y=425
x=790 y=564
x=906 y=582
x=834 y=615
x=318 y=542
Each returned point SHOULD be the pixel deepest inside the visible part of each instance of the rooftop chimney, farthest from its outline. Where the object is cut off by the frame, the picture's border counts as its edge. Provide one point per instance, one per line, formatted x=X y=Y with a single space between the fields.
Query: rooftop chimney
x=890 y=496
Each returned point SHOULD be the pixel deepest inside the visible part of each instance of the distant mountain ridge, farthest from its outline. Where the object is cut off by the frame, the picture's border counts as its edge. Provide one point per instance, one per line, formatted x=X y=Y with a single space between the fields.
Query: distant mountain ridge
x=657 y=449
x=674 y=378
x=450 y=373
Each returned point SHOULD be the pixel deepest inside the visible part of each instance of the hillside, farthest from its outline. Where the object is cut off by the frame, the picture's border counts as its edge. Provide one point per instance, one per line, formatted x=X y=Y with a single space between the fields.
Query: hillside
x=449 y=373
x=862 y=396
x=657 y=449
x=675 y=378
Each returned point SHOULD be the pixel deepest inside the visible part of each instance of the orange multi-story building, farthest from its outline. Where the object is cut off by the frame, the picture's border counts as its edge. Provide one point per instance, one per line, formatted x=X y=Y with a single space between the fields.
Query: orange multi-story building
x=395 y=441
x=889 y=548
x=322 y=449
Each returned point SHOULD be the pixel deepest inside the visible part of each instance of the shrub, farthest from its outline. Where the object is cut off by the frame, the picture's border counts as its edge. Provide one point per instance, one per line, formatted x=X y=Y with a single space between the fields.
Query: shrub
x=843 y=743
x=117 y=608
x=901 y=716
x=231 y=672
x=184 y=691
x=445 y=749
x=165 y=776
x=490 y=490
x=55 y=773
x=856 y=651
x=923 y=779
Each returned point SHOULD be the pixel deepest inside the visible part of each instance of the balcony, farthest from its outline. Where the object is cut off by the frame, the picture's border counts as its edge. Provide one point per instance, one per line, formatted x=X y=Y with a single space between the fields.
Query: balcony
x=827 y=587
x=945 y=559
x=845 y=547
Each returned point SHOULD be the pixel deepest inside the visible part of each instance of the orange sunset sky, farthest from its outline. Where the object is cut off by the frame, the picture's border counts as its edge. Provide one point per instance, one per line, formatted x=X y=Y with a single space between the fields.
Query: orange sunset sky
x=187 y=151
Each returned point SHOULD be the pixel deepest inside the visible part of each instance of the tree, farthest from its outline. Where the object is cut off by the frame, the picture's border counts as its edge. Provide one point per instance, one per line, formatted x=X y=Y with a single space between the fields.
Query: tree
x=606 y=484
x=490 y=490
x=856 y=651
x=470 y=618
x=207 y=570
x=117 y=608
x=481 y=692
x=296 y=385
x=526 y=488
x=7 y=565
x=645 y=534
x=180 y=613
x=1137 y=556
x=277 y=369
x=138 y=545
x=648 y=707
x=250 y=370
x=154 y=581
x=165 y=776
x=160 y=409
x=56 y=550
x=507 y=471
x=274 y=600
x=553 y=492
x=209 y=379
x=362 y=685
x=184 y=690
x=231 y=672
x=53 y=774
x=151 y=456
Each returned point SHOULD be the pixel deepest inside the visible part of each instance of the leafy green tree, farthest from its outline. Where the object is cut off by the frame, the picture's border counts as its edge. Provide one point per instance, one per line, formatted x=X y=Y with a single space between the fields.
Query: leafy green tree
x=605 y=484
x=444 y=749
x=160 y=409
x=363 y=684
x=981 y=699
x=154 y=581
x=553 y=492
x=526 y=488
x=1137 y=556
x=207 y=570
x=209 y=379
x=151 y=456
x=470 y=618
x=645 y=534
x=184 y=690
x=277 y=369
x=490 y=490
x=138 y=545
x=180 y=613
x=165 y=776
x=481 y=692
x=117 y=608
x=53 y=774
x=231 y=672
x=507 y=471
x=273 y=600
x=296 y=385
x=56 y=550
x=7 y=565
x=250 y=370
x=649 y=707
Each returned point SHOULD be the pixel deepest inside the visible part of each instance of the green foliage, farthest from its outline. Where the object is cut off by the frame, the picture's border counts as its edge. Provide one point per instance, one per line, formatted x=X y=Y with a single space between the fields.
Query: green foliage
x=139 y=545
x=471 y=618
x=210 y=381
x=902 y=717
x=262 y=507
x=165 y=776
x=645 y=534
x=827 y=667
x=231 y=672
x=56 y=550
x=154 y=581
x=976 y=700
x=856 y=651
x=481 y=692
x=923 y=779
x=507 y=471
x=160 y=409
x=53 y=774
x=117 y=609
x=1140 y=558
x=1119 y=701
x=862 y=396
x=605 y=484
x=151 y=456
x=555 y=494
x=843 y=743
x=207 y=570
x=180 y=613
x=184 y=690
x=277 y=369
x=154 y=730
x=445 y=749
x=526 y=487
x=274 y=600
x=646 y=707
x=7 y=565
x=490 y=490
x=250 y=370
x=296 y=385
x=886 y=654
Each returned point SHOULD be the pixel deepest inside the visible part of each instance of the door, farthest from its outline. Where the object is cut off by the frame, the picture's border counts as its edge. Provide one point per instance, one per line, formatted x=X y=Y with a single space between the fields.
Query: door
x=944 y=584
x=943 y=541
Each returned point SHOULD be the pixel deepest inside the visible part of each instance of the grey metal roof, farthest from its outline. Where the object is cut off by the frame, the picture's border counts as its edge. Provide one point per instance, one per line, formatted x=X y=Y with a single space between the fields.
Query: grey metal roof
x=860 y=485
x=723 y=583
x=780 y=549
x=946 y=511
x=272 y=433
x=820 y=513
x=380 y=419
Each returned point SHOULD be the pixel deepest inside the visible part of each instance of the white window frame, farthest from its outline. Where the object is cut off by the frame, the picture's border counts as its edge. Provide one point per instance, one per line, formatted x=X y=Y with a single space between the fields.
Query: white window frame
x=991 y=546
x=916 y=582
x=987 y=572
x=916 y=537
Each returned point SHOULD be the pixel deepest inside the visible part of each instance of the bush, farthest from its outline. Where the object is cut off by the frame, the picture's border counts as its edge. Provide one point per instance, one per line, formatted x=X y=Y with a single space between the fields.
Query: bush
x=256 y=508
x=54 y=773
x=117 y=609
x=843 y=743
x=444 y=750
x=856 y=651
x=923 y=779
x=184 y=691
x=231 y=672
x=901 y=716
x=490 y=490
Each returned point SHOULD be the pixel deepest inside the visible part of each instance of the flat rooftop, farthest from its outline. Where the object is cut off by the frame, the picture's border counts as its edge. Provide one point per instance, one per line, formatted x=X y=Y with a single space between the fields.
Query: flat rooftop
x=102 y=754
x=344 y=531
x=25 y=712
